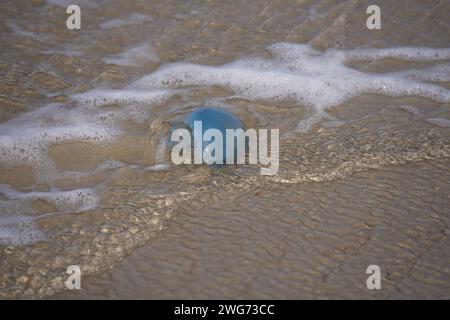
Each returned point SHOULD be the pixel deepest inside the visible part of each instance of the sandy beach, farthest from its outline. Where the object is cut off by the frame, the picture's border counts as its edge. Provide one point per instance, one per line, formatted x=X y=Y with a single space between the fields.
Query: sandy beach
x=86 y=176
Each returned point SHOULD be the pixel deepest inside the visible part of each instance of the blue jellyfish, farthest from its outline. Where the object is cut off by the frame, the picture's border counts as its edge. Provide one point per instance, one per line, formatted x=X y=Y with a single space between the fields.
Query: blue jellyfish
x=214 y=118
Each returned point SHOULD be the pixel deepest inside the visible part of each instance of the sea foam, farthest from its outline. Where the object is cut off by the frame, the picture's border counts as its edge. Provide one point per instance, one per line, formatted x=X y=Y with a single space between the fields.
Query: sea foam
x=310 y=78
x=18 y=216
x=297 y=73
x=319 y=80
x=134 y=57
x=134 y=19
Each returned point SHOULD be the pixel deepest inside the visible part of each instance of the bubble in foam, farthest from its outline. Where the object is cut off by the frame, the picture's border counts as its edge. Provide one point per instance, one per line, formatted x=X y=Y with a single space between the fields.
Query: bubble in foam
x=125 y=97
x=400 y=53
x=438 y=73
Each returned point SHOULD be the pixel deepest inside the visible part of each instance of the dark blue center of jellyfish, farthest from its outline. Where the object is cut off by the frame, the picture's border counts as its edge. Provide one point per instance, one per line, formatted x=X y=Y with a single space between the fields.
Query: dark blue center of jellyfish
x=214 y=118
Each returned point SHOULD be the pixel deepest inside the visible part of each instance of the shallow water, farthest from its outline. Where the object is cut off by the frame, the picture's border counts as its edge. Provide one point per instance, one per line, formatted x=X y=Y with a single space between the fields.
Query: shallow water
x=312 y=241
x=86 y=178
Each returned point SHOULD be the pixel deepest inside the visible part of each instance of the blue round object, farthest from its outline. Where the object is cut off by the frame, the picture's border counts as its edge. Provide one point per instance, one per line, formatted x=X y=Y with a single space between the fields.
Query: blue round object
x=214 y=118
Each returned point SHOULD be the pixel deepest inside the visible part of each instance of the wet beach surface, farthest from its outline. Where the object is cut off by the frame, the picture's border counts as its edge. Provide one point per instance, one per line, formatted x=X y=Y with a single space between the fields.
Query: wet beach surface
x=312 y=241
x=85 y=172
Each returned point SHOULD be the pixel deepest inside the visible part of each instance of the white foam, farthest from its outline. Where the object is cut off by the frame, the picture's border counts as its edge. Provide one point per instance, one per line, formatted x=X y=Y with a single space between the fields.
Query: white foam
x=298 y=72
x=16 y=29
x=440 y=122
x=333 y=124
x=125 y=97
x=400 y=53
x=26 y=139
x=133 y=19
x=73 y=201
x=310 y=78
x=438 y=73
x=18 y=228
x=307 y=77
x=134 y=57
x=410 y=109
x=158 y=167
x=66 y=52
x=104 y=166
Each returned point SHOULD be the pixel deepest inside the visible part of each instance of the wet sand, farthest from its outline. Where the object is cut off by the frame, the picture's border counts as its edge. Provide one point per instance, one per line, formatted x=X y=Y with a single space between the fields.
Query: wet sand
x=312 y=241
x=367 y=184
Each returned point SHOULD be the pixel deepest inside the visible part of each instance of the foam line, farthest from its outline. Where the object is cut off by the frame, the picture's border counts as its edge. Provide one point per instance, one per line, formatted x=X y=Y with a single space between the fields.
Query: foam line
x=134 y=57
x=312 y=78
x=402 y=53
x=19 y=230
x=74 y=201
